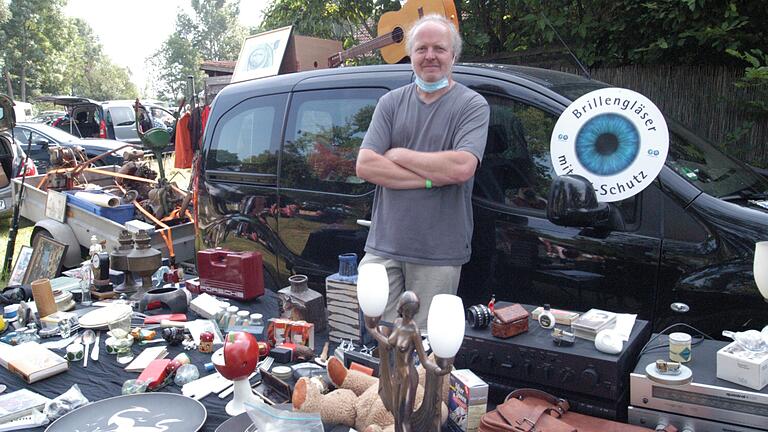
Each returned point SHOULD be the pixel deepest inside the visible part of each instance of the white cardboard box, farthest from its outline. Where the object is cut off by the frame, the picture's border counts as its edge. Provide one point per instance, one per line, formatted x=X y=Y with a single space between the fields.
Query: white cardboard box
x=467 y=401
x=741 y=366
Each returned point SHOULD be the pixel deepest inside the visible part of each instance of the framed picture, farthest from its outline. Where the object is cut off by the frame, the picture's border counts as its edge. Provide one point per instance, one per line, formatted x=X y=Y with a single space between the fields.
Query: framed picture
x=45 y=262
x=262 y=54
x=20 y=267
x=56 y=206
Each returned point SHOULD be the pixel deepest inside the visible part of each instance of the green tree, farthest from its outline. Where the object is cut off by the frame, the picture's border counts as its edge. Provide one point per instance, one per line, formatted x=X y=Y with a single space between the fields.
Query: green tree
x=172 y=64
x=211 y=33
x=617 y=32
x=49 y=53
x=31 y=35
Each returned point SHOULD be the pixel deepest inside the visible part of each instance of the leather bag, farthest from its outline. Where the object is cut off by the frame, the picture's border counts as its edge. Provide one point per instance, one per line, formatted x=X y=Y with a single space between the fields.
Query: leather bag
x=530 y=410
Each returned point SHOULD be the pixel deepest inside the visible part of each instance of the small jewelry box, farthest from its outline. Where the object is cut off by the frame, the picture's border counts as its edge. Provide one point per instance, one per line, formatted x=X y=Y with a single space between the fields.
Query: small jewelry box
x=509 y=321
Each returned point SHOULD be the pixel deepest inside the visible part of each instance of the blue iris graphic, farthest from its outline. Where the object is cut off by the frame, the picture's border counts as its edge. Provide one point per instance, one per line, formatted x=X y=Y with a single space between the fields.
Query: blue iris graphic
x=607 y=144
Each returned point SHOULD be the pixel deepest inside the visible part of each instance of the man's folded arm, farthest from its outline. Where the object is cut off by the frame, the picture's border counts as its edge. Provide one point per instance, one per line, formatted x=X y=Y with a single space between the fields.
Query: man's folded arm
x=443 y=168
x=377 y=169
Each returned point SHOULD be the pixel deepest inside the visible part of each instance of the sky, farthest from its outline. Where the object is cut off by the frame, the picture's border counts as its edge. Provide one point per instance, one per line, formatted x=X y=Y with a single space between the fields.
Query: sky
x=130 y=31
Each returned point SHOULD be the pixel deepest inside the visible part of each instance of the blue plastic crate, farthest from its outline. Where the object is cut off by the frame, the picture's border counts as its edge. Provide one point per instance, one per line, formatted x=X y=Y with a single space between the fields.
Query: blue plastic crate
x=120 y=214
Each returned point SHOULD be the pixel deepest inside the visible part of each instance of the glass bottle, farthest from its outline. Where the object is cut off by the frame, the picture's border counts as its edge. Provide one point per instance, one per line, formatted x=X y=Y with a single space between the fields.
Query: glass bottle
x=242 y=318
x=257 y=319
x=219 y=316
x=232 y=310
x=85 y=284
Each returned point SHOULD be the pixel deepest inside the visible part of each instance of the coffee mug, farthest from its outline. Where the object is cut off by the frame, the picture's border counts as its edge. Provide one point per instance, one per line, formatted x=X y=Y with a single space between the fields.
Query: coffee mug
x=10 y=312
x=75 y=352
x=111 y=345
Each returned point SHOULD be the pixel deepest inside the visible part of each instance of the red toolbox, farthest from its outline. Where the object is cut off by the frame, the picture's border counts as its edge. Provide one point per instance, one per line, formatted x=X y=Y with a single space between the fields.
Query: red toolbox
x=237 y=275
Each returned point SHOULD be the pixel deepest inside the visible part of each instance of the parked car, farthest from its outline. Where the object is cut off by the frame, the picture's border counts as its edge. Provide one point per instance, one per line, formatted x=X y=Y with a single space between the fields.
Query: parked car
x=110 y=119
x=48 y=117
x=44 y=137
x=121 y=117
x=11 y=156
x=278 y=176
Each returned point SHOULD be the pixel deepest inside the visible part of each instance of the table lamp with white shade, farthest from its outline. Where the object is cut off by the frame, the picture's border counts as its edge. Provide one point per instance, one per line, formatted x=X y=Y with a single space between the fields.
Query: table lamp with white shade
x=760 y=269
x=445 y=329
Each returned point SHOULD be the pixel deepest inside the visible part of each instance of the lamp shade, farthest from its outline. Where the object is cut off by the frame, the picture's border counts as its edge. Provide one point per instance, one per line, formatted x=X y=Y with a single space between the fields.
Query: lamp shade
x=760 y=269
x=445 y=325
x=372 y=289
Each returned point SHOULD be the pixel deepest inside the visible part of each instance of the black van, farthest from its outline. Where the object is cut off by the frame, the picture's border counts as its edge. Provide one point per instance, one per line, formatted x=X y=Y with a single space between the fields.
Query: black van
x=278 y=176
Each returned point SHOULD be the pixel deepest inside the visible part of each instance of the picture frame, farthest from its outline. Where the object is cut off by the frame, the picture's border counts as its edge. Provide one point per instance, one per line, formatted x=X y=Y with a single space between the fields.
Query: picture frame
x=20 y=266
x=56 y=206
x=46 y=259
x=262 y=54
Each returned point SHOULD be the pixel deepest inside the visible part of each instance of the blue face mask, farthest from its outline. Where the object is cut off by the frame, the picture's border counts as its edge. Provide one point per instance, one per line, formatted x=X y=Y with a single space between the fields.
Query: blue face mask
x=431 y=87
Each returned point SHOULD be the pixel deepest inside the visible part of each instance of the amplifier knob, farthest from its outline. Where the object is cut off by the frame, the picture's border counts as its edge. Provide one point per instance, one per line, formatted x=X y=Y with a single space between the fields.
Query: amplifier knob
x=528 y=368
x=589 y=377
x=566 y=375
x=472 y=358
x=508 y=363
x=547 y=368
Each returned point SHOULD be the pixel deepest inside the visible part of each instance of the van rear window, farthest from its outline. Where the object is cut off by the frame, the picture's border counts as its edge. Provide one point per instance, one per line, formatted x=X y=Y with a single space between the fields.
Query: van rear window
x=247 y=138
x=122 y=116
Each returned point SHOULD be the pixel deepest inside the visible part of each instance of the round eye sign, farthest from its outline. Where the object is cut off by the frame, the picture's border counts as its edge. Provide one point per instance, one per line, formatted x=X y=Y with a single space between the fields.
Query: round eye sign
x=614 y=137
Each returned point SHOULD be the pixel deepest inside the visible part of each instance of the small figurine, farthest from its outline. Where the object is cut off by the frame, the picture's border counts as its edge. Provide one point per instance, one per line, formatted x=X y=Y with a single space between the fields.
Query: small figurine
x=173 y=335
x=206 y=342
x=561 y=337
x=667 y=368
x=492 y=303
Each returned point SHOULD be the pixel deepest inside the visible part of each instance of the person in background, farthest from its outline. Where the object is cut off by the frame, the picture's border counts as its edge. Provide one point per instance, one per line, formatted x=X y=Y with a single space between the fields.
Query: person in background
x=421 y=150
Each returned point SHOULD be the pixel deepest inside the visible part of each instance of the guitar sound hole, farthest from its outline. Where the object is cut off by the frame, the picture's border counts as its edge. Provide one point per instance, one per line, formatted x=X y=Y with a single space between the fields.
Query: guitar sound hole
x=397 y=35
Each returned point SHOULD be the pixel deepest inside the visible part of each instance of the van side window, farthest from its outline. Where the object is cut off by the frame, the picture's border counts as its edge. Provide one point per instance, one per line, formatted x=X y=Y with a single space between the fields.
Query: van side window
x=247 y=138
x=322 y=139
x=517 y=170
x=121 y=116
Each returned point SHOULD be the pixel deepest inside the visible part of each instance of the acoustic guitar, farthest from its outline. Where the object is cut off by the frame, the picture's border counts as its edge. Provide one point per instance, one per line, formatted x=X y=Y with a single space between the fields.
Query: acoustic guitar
x=393 y=27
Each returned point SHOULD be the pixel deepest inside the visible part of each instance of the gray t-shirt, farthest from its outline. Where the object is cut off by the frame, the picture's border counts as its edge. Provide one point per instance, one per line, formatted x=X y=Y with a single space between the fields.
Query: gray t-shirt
x=426 y=226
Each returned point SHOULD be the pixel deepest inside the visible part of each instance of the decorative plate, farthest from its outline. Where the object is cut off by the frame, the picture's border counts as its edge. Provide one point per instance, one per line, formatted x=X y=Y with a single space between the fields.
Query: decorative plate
x=144 y=412
x=100 y=317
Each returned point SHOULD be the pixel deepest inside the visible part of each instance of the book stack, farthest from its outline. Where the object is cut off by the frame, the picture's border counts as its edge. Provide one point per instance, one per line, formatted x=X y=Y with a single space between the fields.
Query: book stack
x=19 y=404
x=32 y=361
x=588 y=325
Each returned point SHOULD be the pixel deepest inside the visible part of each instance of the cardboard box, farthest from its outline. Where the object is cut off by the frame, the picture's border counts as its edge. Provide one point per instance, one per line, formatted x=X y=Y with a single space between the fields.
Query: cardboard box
x=302 y=333
x=741 y=366
x=467 y=400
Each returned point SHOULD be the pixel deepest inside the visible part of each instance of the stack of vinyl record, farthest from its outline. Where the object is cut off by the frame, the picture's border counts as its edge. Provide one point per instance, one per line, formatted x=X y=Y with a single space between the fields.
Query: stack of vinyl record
x=588 y=325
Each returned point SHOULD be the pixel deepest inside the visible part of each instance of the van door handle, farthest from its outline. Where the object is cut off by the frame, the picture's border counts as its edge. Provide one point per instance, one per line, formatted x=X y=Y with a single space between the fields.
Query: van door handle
x=363 y=222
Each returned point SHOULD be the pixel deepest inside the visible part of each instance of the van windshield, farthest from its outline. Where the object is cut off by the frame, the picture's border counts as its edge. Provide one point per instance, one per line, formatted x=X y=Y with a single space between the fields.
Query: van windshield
x=694 y=158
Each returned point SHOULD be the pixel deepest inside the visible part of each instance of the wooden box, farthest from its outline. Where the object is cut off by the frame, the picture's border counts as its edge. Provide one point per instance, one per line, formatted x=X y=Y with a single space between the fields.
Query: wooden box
x=305 y=53
x=509 y=321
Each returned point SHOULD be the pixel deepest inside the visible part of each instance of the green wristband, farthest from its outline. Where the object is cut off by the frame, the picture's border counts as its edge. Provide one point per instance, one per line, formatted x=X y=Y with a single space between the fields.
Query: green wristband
x=428 y=184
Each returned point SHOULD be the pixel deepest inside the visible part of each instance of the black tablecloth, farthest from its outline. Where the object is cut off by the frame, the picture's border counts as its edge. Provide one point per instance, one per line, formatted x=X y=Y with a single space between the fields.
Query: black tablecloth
x=104 y=378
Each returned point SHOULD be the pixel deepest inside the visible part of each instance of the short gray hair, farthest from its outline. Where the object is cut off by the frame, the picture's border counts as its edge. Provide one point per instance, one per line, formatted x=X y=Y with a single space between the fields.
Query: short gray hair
x=439 y=19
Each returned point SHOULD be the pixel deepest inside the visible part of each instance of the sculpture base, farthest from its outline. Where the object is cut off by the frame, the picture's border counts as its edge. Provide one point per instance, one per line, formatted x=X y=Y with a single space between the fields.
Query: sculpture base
x=243 y=393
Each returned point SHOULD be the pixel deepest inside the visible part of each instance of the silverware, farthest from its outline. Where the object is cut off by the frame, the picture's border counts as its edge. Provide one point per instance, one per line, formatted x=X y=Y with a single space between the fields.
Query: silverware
x=95 y=352
x=88 y=337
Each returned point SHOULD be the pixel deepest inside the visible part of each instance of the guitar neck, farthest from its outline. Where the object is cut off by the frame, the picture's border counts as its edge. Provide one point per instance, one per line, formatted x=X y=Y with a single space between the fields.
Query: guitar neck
x=375 y=43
